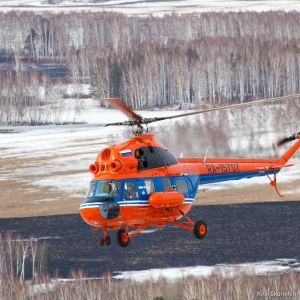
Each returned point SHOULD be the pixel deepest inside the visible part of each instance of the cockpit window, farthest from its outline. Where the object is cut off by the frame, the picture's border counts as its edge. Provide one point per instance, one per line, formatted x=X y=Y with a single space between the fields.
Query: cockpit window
x=104 y=189
x=108 y=188
x=91 y=190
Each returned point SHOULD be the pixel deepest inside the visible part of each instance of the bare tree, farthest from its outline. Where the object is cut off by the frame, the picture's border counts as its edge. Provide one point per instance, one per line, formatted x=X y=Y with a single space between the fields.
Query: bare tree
x=25 y=244
x=33 y=248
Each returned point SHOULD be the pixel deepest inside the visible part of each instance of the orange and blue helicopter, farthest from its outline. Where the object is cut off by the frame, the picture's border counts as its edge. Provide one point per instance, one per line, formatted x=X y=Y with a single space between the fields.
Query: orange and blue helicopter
x=139 y=183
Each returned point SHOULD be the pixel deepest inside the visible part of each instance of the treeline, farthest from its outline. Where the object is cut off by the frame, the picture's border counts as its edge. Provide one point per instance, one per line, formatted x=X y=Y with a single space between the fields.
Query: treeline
x=34 y=99
x=195 y=60
x=22 y=258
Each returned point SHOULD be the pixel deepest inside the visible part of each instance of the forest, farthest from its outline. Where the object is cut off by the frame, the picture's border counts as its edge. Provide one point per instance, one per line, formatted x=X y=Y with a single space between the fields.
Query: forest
x=191 y=61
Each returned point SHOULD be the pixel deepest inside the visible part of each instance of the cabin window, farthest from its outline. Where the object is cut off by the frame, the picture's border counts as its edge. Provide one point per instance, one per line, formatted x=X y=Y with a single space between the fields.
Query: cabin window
x=150 y=188
x=182 y=186
x=130 y=190
x=166 y=184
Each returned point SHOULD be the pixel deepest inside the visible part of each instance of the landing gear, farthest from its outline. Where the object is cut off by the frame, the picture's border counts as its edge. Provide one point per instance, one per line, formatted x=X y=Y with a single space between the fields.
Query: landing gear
x=122 y=238
x=105 y=239
x=101 y=241
x=200 y=229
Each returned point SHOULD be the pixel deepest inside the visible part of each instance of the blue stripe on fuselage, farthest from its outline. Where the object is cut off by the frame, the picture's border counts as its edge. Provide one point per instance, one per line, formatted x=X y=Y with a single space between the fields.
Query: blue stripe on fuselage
x=218 y=177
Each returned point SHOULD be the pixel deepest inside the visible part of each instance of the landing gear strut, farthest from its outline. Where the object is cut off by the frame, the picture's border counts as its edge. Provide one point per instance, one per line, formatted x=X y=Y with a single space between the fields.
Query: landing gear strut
x=199 y=228
x=105 y=239
x=123 y=236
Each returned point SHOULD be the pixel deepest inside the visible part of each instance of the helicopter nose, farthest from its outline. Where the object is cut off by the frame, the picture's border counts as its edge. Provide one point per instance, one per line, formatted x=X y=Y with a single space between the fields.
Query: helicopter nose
x=100 y=213
x=91 y=215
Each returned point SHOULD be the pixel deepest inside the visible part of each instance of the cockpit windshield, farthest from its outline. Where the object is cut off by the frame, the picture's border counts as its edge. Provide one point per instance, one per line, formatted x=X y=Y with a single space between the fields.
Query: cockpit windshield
x=91 y=190
x=104 y=189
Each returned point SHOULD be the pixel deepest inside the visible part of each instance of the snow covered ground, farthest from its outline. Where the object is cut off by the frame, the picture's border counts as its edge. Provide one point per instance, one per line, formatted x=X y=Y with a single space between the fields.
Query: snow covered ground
x=173 y=274
x=158 y=8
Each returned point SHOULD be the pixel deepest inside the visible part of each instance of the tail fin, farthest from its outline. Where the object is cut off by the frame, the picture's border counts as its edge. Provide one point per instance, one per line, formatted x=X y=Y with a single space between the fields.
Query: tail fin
x=291 y=151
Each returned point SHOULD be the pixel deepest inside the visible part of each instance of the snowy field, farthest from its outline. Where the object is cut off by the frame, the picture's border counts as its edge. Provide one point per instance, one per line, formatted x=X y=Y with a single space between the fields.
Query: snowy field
x=157 y=8
x=173 y=274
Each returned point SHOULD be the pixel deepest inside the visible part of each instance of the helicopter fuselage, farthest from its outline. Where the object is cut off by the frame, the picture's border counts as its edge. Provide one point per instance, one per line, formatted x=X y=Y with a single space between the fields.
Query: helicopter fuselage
x=146 y=185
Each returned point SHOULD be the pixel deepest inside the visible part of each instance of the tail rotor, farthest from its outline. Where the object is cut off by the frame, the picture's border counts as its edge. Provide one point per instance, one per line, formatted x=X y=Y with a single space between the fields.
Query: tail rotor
x=285 y=140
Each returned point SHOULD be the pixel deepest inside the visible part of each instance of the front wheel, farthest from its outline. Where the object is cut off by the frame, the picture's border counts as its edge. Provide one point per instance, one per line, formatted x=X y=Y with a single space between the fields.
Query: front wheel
x=200 y=229
x=122 y=238
x=107 y=241
x=101 y=241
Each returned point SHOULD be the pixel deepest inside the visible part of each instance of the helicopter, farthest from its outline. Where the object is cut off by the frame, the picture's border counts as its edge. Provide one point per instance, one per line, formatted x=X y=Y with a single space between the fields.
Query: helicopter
x=139 y=183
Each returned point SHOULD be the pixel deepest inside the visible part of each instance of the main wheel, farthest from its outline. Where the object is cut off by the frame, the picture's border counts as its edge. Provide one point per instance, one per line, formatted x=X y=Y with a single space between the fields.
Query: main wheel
x=200 y=229
x=122 y=238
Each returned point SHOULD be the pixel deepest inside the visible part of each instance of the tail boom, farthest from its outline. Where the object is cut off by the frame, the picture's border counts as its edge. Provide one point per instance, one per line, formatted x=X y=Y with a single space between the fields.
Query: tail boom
x=222 y=169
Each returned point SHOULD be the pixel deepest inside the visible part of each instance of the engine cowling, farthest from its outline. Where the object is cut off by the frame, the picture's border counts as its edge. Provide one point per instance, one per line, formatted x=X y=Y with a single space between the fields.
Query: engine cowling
x=166 y=199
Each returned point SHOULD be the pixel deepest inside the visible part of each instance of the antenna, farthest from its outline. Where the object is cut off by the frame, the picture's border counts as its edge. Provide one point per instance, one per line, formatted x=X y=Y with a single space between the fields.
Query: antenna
x=205 y=155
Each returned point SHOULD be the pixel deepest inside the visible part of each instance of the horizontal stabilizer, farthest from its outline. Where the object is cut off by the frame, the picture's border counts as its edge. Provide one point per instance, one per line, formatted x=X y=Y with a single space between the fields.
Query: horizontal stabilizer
x=281 y=166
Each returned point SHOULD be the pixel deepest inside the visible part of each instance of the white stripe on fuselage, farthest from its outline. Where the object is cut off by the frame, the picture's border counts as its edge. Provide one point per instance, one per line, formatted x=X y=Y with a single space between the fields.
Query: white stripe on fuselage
x=129 y=203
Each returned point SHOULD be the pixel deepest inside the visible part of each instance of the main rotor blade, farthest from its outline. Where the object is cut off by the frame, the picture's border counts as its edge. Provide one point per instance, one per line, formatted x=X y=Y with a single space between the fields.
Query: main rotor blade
x=118 y=104
x=137 y=119
x=229 y=106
